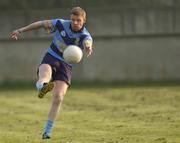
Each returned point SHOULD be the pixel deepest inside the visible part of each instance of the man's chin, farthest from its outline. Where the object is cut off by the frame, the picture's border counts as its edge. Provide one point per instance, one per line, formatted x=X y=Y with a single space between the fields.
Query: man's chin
x=75 y=29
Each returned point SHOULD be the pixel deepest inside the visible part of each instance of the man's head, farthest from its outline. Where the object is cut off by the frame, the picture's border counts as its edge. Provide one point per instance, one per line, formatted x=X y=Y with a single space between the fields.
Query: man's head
x=78 y=18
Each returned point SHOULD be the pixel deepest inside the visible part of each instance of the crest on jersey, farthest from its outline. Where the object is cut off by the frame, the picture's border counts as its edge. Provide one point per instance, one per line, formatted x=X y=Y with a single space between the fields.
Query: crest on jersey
x=63 y=33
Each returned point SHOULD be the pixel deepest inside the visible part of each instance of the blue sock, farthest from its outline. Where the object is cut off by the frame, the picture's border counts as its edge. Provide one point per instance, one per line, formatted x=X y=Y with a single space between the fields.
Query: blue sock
x=48 y=128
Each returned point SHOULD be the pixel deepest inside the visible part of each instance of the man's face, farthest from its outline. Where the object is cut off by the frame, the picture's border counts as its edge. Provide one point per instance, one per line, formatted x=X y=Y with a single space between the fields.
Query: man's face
x=77 y=22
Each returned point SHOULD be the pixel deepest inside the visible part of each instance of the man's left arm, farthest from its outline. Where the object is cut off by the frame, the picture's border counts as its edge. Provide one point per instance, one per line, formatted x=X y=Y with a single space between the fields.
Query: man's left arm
x=88 y=46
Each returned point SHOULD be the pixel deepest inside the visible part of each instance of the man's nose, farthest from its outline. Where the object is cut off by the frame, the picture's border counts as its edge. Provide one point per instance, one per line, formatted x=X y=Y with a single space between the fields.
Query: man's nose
x=75 y=22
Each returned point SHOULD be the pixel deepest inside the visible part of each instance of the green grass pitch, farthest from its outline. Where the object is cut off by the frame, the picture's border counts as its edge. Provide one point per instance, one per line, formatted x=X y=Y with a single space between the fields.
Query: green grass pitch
x=94 y=114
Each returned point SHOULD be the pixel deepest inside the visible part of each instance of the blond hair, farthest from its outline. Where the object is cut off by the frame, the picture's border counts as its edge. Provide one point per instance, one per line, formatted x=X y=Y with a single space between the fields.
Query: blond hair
x=79 y=11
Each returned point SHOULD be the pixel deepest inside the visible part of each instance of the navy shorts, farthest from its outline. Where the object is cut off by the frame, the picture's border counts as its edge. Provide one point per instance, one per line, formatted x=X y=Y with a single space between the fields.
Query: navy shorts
x=60 y=70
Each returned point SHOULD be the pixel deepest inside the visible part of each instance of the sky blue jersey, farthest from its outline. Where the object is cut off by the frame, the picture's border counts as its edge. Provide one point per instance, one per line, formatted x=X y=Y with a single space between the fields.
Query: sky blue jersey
x=64 y=36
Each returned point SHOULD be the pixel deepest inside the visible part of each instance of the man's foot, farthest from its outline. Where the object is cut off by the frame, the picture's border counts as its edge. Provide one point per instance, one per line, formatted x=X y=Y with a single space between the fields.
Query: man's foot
x=45 y=136
x=45 y=89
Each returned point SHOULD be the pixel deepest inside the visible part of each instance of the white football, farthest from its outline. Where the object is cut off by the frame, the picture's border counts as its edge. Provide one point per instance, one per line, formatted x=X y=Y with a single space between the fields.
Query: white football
x=72 y=54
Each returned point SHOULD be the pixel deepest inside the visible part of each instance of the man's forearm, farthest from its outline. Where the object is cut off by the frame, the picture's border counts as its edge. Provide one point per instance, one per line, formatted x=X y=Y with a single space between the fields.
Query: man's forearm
x=33 y=26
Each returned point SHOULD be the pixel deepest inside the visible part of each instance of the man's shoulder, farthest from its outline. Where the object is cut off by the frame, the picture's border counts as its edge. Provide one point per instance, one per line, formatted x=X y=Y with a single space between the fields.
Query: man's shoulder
x=62 y=20
x=86 y=32
x=65 y=20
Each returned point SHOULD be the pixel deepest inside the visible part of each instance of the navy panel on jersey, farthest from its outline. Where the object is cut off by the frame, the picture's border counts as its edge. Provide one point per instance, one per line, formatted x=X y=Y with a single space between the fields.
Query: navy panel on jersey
x=64 y=36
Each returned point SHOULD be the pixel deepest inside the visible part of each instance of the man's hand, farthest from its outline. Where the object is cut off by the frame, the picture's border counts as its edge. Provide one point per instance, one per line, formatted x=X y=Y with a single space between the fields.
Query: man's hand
x=33 y=26
x=88 y=47
x=15 y=34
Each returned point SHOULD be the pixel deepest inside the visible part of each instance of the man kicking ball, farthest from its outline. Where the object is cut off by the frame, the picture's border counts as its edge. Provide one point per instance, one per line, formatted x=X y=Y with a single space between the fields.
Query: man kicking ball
x=54 y=73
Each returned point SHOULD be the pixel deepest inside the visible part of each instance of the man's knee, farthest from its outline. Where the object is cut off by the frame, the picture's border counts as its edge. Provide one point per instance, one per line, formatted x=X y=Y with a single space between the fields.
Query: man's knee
x=59 y=92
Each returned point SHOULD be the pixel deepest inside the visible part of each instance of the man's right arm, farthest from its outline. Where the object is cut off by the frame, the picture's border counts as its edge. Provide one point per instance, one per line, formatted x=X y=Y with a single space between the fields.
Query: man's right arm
x=46 y=24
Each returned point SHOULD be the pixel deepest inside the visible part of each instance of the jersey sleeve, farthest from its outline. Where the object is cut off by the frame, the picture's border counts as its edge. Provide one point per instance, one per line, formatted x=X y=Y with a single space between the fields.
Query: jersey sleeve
x=53 y=28
x=83 y=38
x=53 y=22
x=88 y=37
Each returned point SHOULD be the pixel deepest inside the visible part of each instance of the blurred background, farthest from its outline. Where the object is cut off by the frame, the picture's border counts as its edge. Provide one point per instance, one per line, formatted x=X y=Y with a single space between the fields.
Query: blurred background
x=134 y=40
